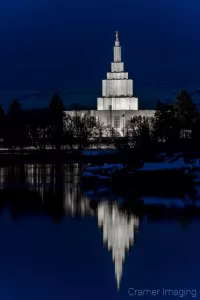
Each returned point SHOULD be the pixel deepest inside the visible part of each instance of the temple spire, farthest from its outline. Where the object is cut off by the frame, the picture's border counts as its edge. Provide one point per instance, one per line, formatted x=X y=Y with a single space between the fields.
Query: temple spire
x=117 y=36
x=117 y=49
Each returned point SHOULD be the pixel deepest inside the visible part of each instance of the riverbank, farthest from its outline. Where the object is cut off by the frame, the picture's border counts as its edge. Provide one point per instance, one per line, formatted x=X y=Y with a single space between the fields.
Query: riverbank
x=93 y=156
x=172 y=177
x=52 y=156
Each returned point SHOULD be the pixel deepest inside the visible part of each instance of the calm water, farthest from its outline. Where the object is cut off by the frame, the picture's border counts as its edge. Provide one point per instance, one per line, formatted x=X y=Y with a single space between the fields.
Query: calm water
x=54 y=244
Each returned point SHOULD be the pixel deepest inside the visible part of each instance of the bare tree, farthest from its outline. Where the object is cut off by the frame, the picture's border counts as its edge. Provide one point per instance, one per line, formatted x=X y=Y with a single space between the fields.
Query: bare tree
x=140 y=130
x=80 y=129
x=39 y=128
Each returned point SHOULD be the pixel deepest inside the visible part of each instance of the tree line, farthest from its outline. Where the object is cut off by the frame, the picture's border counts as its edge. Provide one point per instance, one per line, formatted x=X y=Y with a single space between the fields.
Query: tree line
x=52 y=127
x=174 y=127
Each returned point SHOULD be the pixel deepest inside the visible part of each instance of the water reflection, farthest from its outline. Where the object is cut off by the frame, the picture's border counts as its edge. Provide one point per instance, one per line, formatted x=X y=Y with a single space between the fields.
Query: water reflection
x=118 y=233
x=55 y=190
x=71 y=255
x=50 y=182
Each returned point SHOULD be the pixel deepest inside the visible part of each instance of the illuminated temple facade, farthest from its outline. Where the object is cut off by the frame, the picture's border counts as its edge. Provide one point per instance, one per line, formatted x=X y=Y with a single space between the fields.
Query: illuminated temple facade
x=117 y=104
x=117 y=89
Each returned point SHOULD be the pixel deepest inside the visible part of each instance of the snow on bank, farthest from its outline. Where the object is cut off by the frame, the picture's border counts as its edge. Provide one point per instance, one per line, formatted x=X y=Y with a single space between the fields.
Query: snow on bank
x=166 y=201
x=170 y=165
x=170 y=202
x=101 y=173
x=109 y=169
x=88 y=175
x=99 y=152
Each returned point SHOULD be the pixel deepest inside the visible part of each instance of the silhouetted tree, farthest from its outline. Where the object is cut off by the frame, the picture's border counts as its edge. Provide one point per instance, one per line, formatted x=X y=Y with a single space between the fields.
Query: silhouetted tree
x=166 y=127
x=33 y=123
x=43 y=130
x=184 y=110
x=80 y=129
x=15 y=109
x=39 y=127
x=100 y=129
x=2 y=125
x=16 y=133
x=140 y=135
x=56 y=104
x=196 y=133
x=140 y=129
x=56 y=111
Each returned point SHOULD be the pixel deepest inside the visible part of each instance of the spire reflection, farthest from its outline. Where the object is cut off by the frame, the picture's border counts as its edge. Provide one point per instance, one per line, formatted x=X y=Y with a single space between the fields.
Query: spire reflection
x=118 y=233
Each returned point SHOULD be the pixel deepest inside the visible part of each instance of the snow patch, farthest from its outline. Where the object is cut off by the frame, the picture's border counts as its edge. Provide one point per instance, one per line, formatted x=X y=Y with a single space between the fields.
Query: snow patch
x=99 y=152
x=170 y=165
x=167 y=202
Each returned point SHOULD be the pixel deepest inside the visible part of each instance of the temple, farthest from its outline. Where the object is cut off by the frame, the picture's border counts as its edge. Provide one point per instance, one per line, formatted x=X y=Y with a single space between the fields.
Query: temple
x=117 y=89
x=117 y=105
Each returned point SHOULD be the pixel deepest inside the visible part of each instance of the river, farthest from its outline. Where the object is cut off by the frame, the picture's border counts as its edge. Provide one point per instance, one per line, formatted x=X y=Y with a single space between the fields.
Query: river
x=56 y=244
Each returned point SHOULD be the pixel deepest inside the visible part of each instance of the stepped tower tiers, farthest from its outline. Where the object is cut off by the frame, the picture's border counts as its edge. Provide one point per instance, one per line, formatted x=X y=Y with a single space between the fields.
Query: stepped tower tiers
x=117 y=89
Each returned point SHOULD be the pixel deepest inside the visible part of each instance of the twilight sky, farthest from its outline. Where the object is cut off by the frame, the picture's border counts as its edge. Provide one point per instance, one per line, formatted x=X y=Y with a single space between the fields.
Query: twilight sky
x=59 y=44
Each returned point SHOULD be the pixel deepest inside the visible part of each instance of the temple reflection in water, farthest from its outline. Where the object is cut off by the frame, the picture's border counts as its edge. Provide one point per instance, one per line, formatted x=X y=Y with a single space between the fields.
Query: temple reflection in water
x=63 y=181
x=118 y=233
x=65 y=178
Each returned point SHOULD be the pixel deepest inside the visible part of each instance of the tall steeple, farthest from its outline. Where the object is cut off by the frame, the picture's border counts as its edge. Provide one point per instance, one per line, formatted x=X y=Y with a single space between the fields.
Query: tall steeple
x=117 y=89
x=117 y=49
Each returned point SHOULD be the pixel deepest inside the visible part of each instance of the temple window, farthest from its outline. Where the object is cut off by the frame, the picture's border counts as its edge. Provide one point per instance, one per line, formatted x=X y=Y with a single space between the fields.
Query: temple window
x=116 y=121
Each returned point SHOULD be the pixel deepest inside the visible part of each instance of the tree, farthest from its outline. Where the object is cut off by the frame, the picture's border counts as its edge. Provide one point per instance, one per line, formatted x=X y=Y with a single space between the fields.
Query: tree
x=140 y=129
x=80 y=129
x=56 y=110
x=39 y=128
x=140 y=135
x=196 y=133
x=16 y=134
x=165 y=126
x=99 y=133
x=2 y=125
x=15 y=110
x=184 y=110
x=56 y=104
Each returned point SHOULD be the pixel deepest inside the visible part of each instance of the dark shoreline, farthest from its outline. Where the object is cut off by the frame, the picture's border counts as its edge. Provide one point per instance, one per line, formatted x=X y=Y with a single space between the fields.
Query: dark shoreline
x=50 y=156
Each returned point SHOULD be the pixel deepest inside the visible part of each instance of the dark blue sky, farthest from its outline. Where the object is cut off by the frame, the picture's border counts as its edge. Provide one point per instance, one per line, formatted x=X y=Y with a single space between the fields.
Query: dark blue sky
x=48 y=44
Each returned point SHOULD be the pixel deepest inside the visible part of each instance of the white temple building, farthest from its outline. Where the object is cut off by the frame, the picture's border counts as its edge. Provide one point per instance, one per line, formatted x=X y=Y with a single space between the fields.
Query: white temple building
x=117 y=104
x=117 y=89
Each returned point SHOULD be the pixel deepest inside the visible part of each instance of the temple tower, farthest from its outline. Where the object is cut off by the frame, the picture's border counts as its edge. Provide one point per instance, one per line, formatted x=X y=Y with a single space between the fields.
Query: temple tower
x=117 y=89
